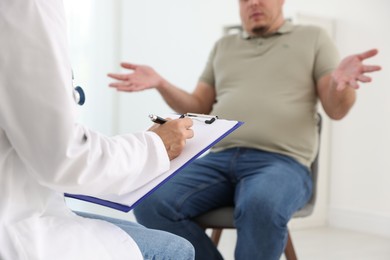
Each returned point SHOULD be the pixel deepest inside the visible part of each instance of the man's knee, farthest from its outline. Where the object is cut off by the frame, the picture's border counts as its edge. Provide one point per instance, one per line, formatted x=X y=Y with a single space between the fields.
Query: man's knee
x=262 y=210
x=146 y=210
x=153 y=209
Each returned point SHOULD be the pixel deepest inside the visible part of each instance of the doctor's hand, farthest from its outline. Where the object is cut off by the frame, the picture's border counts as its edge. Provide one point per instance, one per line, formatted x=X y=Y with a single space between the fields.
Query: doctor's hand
x=174 y=134
x=141 y=77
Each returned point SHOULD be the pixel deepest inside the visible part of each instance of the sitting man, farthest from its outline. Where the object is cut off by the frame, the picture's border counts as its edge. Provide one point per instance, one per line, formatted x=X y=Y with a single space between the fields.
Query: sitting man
x=271 y=77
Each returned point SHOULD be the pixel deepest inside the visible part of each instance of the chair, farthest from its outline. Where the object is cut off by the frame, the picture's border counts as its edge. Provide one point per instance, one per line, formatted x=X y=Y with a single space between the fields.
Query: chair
x=221 y=218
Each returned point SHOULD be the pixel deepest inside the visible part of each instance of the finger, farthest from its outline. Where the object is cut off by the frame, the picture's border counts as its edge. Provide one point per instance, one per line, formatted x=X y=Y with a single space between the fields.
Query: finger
x=115 y=85
x=120 y=84
x=118 y=76
x=190 y=133
x=363 y=78
x=352 y=83
x=371 y=68
x=367 y=54
x=122 y=87
x=129 y=66
x=188 y=122
x=126 y=89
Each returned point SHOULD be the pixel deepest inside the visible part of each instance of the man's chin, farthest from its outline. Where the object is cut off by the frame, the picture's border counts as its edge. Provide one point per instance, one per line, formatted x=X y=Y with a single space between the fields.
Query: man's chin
x=260 y=30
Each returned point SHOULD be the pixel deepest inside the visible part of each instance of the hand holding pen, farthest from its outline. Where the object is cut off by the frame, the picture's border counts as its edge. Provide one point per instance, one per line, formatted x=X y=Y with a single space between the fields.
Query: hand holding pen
x=173 y=133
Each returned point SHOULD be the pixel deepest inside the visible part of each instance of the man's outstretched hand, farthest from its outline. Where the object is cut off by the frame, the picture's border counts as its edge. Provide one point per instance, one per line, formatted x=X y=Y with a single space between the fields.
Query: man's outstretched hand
x=352 y=70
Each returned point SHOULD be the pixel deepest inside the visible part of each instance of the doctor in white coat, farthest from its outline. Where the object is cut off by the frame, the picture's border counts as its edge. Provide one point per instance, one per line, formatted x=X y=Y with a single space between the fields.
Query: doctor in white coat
x=44 y=152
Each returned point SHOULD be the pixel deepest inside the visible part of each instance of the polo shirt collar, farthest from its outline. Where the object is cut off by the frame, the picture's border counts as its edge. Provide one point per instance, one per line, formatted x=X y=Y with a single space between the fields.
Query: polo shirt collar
x=285 y=28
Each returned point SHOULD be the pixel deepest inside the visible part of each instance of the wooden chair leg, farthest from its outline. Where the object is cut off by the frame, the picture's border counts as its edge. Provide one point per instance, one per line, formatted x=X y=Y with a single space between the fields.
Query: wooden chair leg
x=289 y=251
x=216 y=235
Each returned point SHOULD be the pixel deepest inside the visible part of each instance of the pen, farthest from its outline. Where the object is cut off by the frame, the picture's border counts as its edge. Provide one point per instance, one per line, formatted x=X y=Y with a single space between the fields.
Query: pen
x=157 y=119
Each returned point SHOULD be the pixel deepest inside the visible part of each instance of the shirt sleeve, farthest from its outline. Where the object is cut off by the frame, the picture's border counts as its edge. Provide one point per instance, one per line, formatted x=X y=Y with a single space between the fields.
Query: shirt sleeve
x=327 y=57
x=38 y=112
x=207 y=75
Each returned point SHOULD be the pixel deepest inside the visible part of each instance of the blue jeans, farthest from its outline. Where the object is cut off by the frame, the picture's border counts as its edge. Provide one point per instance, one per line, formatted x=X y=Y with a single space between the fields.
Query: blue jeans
x=265 y=189
x=154 y=244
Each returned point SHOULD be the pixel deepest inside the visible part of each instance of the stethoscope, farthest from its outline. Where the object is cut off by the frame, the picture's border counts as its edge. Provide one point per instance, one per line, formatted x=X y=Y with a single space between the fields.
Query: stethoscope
x=78 y=93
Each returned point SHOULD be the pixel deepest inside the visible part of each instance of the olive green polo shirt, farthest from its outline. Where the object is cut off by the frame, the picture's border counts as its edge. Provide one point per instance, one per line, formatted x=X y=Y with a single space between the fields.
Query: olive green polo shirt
x=270 y=84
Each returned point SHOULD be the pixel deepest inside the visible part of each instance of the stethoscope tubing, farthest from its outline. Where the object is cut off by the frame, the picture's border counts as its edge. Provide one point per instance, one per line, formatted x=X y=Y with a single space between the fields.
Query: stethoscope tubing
x=79 y=95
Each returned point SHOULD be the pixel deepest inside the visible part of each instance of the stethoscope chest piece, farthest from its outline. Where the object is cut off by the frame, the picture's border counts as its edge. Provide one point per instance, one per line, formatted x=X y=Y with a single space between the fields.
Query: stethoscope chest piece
x=79 y=96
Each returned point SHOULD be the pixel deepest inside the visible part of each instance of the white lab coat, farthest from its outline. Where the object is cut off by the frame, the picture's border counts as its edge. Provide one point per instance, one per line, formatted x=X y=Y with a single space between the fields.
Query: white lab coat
x=44 y=152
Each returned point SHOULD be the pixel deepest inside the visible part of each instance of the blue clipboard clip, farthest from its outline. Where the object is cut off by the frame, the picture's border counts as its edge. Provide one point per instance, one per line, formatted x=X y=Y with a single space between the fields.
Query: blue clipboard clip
x=208 y=119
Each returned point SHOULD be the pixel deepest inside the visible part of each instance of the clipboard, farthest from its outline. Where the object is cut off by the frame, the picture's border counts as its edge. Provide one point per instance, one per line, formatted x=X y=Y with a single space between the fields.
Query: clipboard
x=208 y=130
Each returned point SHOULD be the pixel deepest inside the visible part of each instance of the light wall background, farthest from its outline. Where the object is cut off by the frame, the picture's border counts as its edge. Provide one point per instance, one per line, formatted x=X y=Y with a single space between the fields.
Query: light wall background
x=175 y=38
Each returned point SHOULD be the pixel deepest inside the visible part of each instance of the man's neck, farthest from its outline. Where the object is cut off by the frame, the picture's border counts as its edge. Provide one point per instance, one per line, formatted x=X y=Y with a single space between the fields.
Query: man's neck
x=266 y=31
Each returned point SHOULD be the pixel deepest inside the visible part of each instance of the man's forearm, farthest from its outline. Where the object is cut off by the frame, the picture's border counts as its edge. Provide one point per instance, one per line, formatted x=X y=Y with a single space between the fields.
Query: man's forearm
x=178 y=99
x=339 y=102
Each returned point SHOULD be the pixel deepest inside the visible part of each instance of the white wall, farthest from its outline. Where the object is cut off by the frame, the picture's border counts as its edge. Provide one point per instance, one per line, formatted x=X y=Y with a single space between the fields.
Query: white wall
x=360 y=170
x=93 y=36
x=175 y=38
